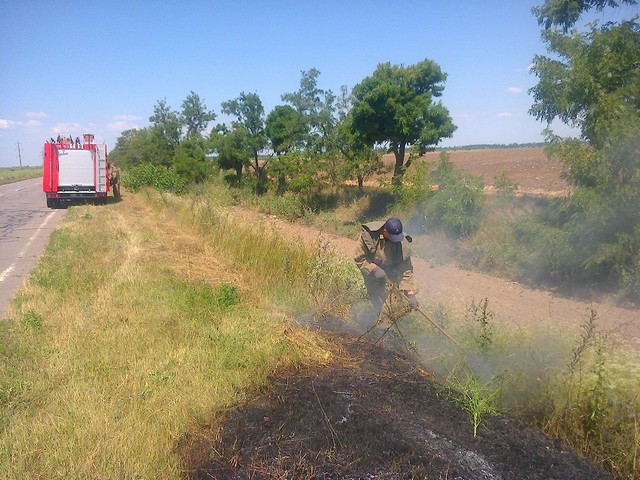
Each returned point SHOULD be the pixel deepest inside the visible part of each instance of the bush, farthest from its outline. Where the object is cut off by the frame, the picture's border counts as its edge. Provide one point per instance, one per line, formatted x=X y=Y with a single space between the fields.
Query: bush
x=416 y=186
x=504 y=186
x=546 y=251
x=457 y=203
x=288 y=205
x=156 y=176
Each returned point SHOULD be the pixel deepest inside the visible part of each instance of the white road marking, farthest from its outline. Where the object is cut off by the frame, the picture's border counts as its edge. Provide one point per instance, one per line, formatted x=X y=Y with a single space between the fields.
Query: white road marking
x=11 y=267
x=6 y=272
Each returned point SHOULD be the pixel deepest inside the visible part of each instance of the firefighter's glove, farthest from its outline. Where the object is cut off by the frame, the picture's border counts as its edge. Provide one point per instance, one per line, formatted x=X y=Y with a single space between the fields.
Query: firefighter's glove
x=380 y=275
x=413 y=300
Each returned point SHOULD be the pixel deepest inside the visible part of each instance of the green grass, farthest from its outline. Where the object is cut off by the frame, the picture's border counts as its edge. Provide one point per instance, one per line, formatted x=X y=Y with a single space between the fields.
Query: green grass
x=120 y=344
x=15 y=174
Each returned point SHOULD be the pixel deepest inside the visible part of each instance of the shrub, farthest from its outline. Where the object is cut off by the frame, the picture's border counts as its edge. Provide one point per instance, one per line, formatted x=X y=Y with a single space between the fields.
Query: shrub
x=504 y=186
x=157 y=176
x=457 y=203
x=416 y=187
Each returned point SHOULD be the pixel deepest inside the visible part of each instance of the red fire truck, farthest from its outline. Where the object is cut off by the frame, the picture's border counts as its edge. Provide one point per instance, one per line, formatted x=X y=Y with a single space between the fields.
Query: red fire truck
x=74 y=170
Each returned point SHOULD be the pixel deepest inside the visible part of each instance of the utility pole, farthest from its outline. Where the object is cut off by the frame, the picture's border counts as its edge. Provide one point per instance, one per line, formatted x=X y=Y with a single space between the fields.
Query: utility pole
x=19 y=155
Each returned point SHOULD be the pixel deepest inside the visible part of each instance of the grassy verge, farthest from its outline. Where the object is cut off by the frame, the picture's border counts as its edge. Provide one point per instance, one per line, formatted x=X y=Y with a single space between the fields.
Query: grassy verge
x=15 y=174
x=150 y=316
x=134 y=328
x=587 y=395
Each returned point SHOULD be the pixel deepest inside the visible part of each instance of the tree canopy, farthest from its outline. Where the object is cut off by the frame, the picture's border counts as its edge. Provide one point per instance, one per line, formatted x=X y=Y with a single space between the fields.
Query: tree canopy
x=565 y=13
x=195 y=115
x=592 y=81
x=284 y=128
x=166 y=122
x=316 y=108
x=395 y=106
x=248 y=126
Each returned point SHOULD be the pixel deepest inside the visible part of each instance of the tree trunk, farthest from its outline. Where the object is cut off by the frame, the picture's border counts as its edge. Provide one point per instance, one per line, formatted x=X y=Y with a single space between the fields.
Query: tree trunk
x=398 y=169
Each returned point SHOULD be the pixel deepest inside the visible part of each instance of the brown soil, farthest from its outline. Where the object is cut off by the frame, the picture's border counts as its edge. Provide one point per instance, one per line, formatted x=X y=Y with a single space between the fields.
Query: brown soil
x=529 y=167
x=373 y=413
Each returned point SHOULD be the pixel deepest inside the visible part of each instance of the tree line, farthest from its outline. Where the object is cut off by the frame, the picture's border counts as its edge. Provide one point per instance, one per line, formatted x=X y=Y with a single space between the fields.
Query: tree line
x=315 y=137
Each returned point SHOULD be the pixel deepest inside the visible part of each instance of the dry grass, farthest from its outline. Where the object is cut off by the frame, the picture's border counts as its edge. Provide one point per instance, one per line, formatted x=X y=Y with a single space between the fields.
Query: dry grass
x=118 y=345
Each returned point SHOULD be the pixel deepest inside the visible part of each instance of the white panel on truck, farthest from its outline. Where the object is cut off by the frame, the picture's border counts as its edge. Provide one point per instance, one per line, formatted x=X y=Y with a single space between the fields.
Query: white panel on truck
x=76 y=168
x=101 y=152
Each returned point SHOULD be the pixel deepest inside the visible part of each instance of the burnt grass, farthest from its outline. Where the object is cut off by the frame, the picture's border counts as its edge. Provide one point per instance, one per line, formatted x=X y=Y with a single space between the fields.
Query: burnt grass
x=371 y=413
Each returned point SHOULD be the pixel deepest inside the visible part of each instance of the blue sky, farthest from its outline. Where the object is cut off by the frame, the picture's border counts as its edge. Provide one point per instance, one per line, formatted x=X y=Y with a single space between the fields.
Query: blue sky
x=100 y=67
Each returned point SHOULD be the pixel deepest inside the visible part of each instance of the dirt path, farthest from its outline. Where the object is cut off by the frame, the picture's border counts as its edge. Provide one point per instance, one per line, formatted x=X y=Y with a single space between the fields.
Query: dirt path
x=513 y=303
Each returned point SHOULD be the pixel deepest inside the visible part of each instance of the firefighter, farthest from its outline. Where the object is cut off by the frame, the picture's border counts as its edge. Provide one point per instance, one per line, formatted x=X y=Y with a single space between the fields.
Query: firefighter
x=114 y=179
x=383 y=257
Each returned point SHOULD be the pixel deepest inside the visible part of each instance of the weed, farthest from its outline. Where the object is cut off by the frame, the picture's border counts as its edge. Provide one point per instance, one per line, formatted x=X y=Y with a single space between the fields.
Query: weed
x=477 y=398
x=594 y=405
x=504 y=186
x=481 y=314
x=32 y=321
x=333 y=284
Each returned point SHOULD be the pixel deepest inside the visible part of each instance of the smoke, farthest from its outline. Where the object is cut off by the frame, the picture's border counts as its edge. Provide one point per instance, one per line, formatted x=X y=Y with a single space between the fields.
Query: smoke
x=519 y=362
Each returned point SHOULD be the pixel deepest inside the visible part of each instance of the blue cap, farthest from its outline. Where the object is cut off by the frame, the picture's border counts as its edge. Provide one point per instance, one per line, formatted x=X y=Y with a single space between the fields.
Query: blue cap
x=394 y=229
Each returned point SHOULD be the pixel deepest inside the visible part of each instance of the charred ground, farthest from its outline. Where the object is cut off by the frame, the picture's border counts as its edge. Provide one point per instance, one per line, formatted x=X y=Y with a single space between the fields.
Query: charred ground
x=370 y=413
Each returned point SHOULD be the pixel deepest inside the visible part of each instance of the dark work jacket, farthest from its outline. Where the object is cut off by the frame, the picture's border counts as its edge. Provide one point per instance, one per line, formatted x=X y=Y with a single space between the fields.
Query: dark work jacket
x=373 y=250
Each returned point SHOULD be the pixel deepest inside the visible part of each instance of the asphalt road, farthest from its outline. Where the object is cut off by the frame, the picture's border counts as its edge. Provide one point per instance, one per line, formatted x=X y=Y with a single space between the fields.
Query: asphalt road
x=25 y=226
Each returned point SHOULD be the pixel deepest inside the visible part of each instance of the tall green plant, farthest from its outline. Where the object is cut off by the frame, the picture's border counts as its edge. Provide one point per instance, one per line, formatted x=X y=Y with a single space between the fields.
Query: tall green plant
x=416 y=188
x=457 y=203
x=477 y=398
x=147 y=175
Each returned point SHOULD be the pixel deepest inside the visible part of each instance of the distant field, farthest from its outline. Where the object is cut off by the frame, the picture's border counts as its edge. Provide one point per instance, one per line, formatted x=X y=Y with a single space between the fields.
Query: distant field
x=15 y=174
x=529 y=167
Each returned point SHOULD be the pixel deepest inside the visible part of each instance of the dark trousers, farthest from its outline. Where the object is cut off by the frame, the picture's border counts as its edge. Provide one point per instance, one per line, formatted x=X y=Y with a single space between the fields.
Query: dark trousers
x=376 y=291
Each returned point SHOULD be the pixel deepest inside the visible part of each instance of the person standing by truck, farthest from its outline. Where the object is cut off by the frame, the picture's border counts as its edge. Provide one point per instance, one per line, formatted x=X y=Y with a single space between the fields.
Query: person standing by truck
x=114 y=179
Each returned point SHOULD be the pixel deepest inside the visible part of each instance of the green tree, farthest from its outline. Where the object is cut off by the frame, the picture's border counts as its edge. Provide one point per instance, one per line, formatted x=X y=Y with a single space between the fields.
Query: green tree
x=317 y=109
x=139 y=146
x=395 y=107
x=195 y=116
x=166 y=122
x=565 y=13
x=190 y=161
x=592 y=81
x=231 y=149
x=285 y=129
x=361 y=159
x=249 y=128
